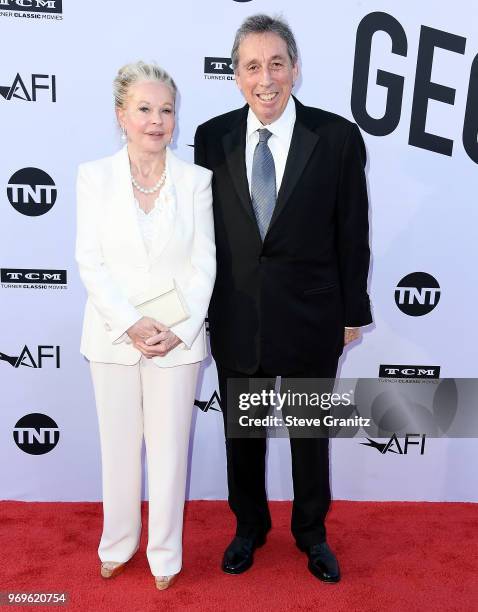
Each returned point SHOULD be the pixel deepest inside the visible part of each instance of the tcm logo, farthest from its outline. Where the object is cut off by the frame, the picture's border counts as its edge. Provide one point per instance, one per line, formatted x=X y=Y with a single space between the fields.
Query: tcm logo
x=28 y=89
x=36 y=434
x=16 y=276
x=31 y=192
x=210 y=404
x=218 y=68
x=393 y=445
x=26 y=357
x=409 y=371
x=417 y=294
x=33 y=6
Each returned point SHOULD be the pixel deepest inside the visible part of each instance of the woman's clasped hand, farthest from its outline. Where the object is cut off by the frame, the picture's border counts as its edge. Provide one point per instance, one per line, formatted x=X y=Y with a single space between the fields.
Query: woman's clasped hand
x=152 y=338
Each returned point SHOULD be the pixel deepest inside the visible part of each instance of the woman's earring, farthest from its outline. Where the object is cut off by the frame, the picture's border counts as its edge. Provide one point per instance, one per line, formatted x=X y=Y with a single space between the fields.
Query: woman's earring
x=123 y=133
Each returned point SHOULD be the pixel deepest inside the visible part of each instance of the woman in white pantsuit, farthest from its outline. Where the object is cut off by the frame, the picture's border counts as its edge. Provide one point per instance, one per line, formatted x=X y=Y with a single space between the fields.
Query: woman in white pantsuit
x=144 y=220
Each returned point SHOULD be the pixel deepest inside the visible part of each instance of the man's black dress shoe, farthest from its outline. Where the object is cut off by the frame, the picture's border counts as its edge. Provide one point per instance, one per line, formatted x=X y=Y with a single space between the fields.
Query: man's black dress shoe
x=323 y=563
x=239 y=555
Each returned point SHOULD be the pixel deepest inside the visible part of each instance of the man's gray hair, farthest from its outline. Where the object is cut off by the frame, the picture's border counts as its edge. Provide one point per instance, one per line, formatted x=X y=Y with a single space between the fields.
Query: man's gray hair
x=262 y=24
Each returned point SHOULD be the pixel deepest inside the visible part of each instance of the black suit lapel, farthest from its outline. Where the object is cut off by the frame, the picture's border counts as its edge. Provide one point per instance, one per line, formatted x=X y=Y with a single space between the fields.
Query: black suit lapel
x=234 y=143
x=303 y=143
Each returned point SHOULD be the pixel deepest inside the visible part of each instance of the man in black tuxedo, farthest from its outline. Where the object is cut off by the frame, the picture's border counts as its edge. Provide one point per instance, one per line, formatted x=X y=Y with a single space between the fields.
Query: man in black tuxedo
x=291 y=221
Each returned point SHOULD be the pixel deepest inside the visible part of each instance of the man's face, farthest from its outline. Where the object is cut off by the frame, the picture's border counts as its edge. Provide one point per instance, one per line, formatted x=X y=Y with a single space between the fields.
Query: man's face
x=265 y=75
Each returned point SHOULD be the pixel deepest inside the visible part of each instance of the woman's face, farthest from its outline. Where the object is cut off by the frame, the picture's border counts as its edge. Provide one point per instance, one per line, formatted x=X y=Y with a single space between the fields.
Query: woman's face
x=148 y=116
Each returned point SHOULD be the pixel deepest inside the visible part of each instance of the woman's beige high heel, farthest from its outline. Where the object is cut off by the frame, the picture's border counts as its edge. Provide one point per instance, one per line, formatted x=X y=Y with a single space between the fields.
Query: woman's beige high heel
x=164 y=582
x=110 y=569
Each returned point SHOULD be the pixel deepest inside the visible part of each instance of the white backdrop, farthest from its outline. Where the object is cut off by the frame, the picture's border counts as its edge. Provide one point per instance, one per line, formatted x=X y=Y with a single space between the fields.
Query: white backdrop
x=423 y=219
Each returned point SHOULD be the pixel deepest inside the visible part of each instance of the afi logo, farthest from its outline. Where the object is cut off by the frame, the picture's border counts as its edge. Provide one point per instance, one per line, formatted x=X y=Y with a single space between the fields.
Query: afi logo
x=417 y=294
x=27 y=89
x=26 y=358
x=393 y=445
x=209 y=405
x=36 y=434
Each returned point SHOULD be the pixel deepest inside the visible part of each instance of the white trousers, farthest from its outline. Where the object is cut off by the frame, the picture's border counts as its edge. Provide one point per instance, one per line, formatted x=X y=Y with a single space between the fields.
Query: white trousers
x=132 y=402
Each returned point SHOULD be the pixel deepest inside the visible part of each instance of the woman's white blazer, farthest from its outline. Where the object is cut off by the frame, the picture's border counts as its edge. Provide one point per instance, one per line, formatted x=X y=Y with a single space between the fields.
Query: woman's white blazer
x=114 y=264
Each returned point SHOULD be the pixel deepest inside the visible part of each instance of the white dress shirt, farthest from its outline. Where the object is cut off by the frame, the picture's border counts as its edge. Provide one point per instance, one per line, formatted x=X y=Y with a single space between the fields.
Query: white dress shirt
x=279 y=142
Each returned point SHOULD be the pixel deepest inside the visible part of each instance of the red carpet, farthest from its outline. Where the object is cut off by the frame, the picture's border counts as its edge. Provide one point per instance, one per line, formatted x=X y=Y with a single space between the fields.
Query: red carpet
x=393 y=556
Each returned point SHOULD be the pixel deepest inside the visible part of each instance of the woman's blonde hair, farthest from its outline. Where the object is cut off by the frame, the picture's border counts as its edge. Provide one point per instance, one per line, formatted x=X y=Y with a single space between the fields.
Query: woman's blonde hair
x=135 y=72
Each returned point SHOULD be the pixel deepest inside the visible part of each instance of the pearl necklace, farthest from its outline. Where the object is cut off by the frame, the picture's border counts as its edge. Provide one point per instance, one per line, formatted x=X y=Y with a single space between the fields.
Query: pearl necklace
x=158 y=185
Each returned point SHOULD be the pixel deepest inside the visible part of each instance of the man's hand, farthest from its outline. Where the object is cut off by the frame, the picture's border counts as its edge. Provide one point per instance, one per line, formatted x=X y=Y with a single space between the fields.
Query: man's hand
x=163 y=342
x=141 y=331
x=351 y=334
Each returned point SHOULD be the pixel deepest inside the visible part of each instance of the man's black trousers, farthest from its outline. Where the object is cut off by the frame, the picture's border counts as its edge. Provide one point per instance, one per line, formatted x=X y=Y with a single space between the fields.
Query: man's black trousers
x=246 y=458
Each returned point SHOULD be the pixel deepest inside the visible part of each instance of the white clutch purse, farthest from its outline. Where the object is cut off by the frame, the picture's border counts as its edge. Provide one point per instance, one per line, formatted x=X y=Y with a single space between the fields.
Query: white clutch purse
x=166 y=304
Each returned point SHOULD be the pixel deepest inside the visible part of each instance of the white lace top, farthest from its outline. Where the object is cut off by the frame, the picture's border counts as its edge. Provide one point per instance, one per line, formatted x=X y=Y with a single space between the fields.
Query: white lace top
x=147 y=221
x=156 y=225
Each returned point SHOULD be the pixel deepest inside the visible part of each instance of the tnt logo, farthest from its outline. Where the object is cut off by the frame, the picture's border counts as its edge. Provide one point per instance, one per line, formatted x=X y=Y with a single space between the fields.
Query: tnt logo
x=27 y=89
x=393 y=445
x=417 y=294
x=36 y=434
x=31 y=192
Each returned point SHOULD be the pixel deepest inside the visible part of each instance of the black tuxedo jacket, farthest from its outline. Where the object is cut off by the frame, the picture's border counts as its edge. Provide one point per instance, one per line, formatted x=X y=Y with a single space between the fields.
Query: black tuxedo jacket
x=282 y=305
